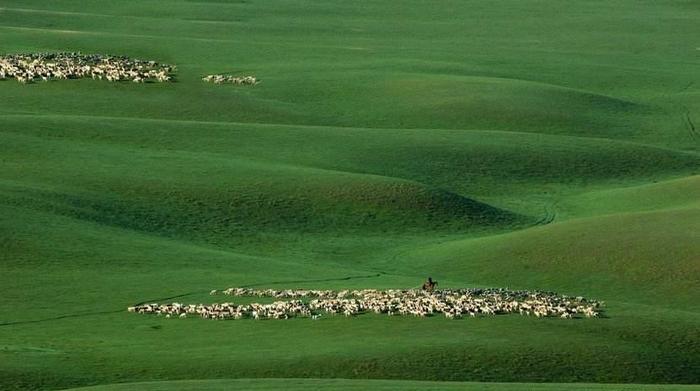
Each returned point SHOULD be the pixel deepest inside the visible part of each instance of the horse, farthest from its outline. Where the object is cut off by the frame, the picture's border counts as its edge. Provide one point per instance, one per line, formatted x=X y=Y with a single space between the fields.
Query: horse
x=429 y=285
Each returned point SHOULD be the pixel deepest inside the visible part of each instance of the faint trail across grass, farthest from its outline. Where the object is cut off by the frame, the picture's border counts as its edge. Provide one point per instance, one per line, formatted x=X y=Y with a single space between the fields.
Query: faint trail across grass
x=691 y=126
x=83 y=314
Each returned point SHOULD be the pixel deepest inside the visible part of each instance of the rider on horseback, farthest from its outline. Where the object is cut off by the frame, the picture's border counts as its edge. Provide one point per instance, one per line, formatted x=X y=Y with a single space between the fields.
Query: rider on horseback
x=429 y=285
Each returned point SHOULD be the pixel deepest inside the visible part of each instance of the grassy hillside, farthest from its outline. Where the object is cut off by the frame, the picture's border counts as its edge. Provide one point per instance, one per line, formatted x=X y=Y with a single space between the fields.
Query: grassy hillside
x=652 y=255
x=528 y=144
x=305 y=384
x=673 y=194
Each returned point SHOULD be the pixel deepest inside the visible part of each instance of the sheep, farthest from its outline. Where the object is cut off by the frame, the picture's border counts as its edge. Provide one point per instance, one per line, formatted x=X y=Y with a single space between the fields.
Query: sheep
x=451 y=303
x=229 y=79
x=27 y=68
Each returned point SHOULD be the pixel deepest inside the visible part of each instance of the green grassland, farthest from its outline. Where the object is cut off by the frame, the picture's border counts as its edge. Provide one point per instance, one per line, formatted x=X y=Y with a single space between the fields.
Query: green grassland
x=548 y=145
x=346 y=384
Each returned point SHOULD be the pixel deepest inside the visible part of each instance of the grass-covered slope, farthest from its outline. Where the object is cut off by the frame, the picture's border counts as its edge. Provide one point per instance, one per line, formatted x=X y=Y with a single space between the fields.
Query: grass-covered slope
x=528 y=144
x=650 y=256
x=518 y=170
x=672 y=194
x=347 y=384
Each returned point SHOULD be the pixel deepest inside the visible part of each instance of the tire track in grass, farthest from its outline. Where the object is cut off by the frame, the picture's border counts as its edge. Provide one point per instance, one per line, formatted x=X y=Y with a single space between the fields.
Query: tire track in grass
x=690 y=125
x=67 y=316
x=550 y=215
x=96 y=313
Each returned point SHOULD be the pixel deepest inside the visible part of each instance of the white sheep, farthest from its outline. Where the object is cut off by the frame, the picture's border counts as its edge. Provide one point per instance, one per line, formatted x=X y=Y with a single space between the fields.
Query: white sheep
x=452 y=303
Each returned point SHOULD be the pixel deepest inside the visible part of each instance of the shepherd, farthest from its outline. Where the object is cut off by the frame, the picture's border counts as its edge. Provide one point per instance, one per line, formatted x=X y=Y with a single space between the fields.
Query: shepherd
x=429 y=285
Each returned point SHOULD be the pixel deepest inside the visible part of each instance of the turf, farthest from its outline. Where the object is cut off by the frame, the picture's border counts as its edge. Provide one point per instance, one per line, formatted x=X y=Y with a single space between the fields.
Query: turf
x=526 y=144
x=346 y=384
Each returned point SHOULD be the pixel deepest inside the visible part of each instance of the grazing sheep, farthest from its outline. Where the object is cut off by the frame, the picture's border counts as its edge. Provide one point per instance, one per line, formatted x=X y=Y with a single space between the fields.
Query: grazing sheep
x=27 y=68
x=453 y=303
x=229 y=79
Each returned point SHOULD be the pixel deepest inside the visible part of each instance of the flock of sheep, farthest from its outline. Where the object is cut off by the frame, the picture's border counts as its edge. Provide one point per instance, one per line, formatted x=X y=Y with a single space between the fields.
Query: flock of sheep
x=229 y=79
x=27 y=68
x=453 y=303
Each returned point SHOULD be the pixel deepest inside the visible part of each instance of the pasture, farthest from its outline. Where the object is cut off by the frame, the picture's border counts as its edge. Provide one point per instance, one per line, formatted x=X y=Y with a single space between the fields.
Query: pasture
x=529 y=145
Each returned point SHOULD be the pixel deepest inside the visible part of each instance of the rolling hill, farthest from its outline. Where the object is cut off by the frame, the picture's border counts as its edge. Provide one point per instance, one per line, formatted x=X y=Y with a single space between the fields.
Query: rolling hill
x=526 y=144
